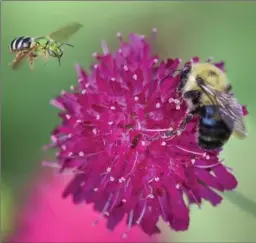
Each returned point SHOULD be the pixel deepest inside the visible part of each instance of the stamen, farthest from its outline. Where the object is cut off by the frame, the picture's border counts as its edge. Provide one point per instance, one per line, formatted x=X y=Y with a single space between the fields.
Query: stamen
x=156 y=130
x=104 y=210
x=104 y=47
x=57 y=104
x=51 y=164
x=134 y=164
x=195 y=199
x=207 y=166
x=125 y=234
x=162 y=208
x=142 y=213
x=119 y=36
x=189 y=151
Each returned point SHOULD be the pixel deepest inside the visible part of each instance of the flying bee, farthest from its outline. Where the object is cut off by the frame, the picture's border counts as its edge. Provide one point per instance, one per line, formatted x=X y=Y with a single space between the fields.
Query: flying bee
x=49 y=45
x=208 y=94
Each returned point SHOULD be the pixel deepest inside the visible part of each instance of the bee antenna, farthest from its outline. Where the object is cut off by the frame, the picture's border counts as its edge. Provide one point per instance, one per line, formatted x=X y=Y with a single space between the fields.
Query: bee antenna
x=67 y=44
x=169 y=74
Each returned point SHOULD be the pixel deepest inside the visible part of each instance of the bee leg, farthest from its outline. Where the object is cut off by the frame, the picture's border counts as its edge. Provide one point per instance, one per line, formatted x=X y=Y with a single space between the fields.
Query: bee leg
x=15 y=59
x=31 y=61
x=45 y=57
x=183 y=124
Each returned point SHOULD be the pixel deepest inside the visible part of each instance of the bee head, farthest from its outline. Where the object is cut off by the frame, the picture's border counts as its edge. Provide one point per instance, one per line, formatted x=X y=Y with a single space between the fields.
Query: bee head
x=183 y=77
x=55 y=50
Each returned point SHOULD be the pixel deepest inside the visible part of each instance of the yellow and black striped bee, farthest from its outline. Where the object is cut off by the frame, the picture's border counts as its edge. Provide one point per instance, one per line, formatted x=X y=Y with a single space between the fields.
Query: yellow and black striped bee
x=23 y=47
x=208 y=94
x=50 y=45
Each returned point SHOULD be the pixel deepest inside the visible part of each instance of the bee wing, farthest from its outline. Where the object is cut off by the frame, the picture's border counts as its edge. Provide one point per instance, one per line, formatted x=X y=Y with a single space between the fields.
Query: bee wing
x=230 y=110
x=65 y=32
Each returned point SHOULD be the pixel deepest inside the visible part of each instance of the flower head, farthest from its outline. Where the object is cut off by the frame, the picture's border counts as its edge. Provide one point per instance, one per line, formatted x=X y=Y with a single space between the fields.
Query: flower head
x=119 y=166
x=46 y=217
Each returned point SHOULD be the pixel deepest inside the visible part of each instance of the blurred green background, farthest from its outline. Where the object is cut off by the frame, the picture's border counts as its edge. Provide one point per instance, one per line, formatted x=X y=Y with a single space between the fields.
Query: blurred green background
x=223 y=30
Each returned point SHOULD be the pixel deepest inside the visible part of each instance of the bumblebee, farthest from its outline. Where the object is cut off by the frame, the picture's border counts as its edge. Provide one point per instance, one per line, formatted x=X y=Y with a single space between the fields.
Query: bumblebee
x=208 y=94
x=50 y=45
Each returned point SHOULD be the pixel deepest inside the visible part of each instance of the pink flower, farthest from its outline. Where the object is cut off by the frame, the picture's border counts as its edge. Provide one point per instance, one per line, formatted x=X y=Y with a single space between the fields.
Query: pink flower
x=119 y=166
x=49 y=218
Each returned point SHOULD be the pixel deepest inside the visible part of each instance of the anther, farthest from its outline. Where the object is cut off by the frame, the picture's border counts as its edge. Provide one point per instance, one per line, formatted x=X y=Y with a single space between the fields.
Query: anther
x=136 y=98
x=163 y=143
x=171 y=100
x=81 y=154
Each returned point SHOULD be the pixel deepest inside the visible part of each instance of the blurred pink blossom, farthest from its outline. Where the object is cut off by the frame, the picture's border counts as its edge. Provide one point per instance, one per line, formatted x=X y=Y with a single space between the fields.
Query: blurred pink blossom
x=46 y=217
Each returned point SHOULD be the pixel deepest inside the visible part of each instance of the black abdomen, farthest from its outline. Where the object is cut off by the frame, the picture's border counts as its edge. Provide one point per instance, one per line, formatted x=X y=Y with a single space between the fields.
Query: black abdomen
x=21 y=43
x=213 y=132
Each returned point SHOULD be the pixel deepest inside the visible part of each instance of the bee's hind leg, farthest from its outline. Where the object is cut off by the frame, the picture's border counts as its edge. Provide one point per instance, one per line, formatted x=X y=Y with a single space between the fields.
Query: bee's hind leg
x=17 y=56
x=46 y=56
x=32 y=57
x=183 y=124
